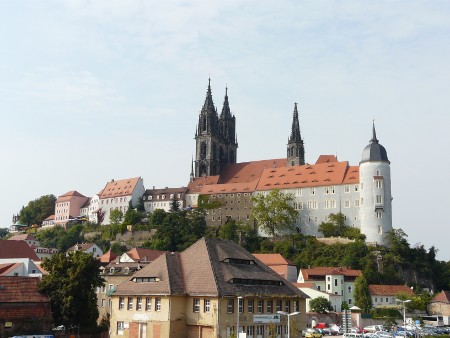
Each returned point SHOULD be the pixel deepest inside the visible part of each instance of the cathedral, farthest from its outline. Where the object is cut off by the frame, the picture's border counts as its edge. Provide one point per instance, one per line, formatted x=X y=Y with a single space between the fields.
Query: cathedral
x=362 y=193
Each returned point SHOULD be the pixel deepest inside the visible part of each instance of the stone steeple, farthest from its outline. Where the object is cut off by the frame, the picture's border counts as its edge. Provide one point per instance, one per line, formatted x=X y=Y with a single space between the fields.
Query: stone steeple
x=295 y=147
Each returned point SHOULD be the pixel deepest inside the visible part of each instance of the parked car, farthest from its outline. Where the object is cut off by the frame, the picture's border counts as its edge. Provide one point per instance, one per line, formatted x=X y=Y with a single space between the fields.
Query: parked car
x=313 y=333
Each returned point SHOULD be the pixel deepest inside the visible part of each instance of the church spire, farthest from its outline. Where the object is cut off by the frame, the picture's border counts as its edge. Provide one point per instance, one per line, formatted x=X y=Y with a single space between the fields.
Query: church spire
x=295 y=148
x=226 y=112
x=374 y=133
x=209 y=103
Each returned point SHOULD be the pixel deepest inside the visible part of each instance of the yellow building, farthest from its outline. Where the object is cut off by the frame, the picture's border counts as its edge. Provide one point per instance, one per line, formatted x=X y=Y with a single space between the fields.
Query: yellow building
x=198 y=293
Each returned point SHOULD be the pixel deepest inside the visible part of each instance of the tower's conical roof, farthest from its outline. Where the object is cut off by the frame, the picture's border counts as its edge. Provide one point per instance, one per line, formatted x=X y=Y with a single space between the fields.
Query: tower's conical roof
x=374 y=151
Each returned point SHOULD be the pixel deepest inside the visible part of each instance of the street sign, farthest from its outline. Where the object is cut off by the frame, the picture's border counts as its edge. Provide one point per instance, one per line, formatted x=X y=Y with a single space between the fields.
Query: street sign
x=266 y=319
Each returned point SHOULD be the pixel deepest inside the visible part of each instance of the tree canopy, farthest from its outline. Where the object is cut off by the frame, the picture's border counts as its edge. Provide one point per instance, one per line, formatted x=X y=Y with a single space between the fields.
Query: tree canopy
x=335 y=227
x=320 y=305
x=274 y=212
x=70 y=285
x=362 y=296
x=37 y=210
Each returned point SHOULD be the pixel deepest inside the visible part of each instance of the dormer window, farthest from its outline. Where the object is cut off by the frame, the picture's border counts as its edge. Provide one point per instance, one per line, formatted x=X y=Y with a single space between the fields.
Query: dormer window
x=126 y=270
x=146 y=279
x=112 y=270
x=239 y=261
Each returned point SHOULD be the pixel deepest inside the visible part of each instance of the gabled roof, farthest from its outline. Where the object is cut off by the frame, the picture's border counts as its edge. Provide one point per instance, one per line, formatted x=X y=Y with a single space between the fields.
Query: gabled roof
x=273 y=259
x=326 y=159
x=68 y=196
x=50 y=218
x=108 y=257
x=8 y=267
x=209 y=267
x=17 y=249
x=165 y=191
x=229 y=188
x=389 y=290
x=81 y=247
x=22 y=237
x=196 y=185
x=119 y=188
x=248 y=171
x=309 y=274
x=146 y=255
x=442 y=297
x=16 y=289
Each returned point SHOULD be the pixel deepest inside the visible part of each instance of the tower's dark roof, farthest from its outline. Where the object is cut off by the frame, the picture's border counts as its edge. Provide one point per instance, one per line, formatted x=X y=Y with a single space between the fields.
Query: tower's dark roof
x=295 y=130
x=374 y=151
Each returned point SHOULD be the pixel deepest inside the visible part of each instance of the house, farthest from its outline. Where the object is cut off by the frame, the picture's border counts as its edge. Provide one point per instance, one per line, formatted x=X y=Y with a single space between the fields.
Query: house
x=199 y=293
x=117 y=194
x=386 y=295
x=49 y=222
x=280 y=265
x=67 y=207
x=163 y=198
x=333 y=280
x=140 y=255
x=311 y=291
x=440 y=304
x=24 y=267
x=90 y=248
x=22 y=307
x=35 y=245
x=16 y=249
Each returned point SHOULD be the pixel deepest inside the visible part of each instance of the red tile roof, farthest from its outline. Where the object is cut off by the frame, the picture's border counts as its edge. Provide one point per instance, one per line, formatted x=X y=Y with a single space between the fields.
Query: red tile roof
x=389 y=290
x=22 y=237
x=119 y=188
x=197 y=184
x=17 y=249
x=20 y=289
x=273 y=259
x=248 y=171
x=68 y=196
x=147 y=255
x=326 y=159
x=108 y=257
x=442 y=297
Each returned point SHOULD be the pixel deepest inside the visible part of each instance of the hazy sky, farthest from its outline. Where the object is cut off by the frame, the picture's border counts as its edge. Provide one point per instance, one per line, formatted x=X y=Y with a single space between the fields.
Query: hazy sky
x=95 y=90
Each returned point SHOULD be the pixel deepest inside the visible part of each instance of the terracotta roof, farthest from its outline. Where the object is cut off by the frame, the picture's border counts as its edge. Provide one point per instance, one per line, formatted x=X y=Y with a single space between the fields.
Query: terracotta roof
x=166 y=192
x=309 y=285
x=326 y=159
x=197 y=184
x=68 y=196
x=389 y=290
x=50 y=218
x=308 y=175
x=326 y=270
x=119 y=188
x=17 y=249
x=141 y=254
x=20 y=289
x=229 y=188
x=22 y=237
x=80 y=247
x=108 y=257
x=352 y=175
x=8 y=267
x=209 y=267
x=442 y=297
x=248 y=171
x=86 y=204
x=273 y=259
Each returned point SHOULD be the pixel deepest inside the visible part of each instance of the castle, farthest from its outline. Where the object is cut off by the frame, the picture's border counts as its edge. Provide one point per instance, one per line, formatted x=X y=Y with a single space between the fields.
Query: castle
x=362 y=193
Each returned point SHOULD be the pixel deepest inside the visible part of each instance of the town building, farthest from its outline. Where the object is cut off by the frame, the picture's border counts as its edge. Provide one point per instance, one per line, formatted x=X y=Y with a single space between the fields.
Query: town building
x=35 y=245
x=387 y=295
x=440 y=304
x=332 y=280
x=118 y=194
x=164 y=198
x=90 y=248
x=23 y=308
x=67 y=206
x=284 y=267
x=199 y=293
x=310 y=289
x=362 y=193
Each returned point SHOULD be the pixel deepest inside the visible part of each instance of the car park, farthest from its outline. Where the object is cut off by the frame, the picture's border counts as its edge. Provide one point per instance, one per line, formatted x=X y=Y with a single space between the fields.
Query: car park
x=313 y=333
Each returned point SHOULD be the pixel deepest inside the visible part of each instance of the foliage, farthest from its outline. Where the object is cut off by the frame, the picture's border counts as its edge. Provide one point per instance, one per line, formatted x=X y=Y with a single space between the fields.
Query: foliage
x=38 y=210
x=115 y=217
x=272 y=330
x=230 y=230
x=140 y=205
x=206 y=202
x=157 y=217
x=362 y=296
x=133 y=216
x=174 y=204
x=4 y=233
x=274 y=212
x=335 y=227
x=70 y=285
x=385 y=312
x=59 y=238
x=345 y=306
x=118 y=249
x=320 y=305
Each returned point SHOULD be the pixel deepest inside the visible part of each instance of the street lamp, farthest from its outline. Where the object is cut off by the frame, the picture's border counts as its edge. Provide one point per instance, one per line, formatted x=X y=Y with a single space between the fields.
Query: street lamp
x=404 y=310
x=289 y=316
x=237 y=326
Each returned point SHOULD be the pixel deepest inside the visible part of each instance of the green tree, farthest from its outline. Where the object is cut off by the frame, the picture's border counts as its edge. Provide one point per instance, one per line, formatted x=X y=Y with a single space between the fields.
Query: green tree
x=335 y=227
x=115 y=217
x=38 y=210
x=230 y=230
x=320 y=305
x=140 y=205
x=70 y=285
x=174 y=204
x=362 y=296
x=118 y=248
x=274 y=212
x=3 y=233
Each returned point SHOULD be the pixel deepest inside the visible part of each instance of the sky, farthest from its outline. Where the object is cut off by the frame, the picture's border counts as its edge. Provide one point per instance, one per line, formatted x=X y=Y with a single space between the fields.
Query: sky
x=96 y=90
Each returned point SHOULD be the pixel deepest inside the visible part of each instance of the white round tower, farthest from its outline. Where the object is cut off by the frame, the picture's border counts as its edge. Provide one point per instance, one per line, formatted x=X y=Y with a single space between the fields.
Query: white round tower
x=375 y=192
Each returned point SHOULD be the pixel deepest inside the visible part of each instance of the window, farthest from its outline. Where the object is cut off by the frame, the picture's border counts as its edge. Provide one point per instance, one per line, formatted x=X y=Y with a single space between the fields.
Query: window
x=260 y=306
x=376 y=299
x=130 y=303
x=157 y=304
x=287 y=306
x=148 y=304
x=357 y=203
x=335 y=282
x=379 y=214
x=349 y=301
x=196 y=307
x=269 y=306
x=347 y=204
x=103 y=302
x=362 y=201
x=121 y=303
x=333 y=204
x=250 y=305
x=139 y=303
x=278 y=305
x=120 y=328
x=241 y=305
x=230 y=306
x=356 y=187
x=250 y=330
x=260 y=330
x=313 y=191
x=380 y=229
x=328 y=287
x=379 y=199
x=349 y=289
x=379 y=184
x=387 y=300
x=296 y=305
x=207 y=306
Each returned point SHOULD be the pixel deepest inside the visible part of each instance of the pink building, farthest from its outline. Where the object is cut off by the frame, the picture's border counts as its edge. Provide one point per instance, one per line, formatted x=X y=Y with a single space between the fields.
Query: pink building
x=68 y=206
